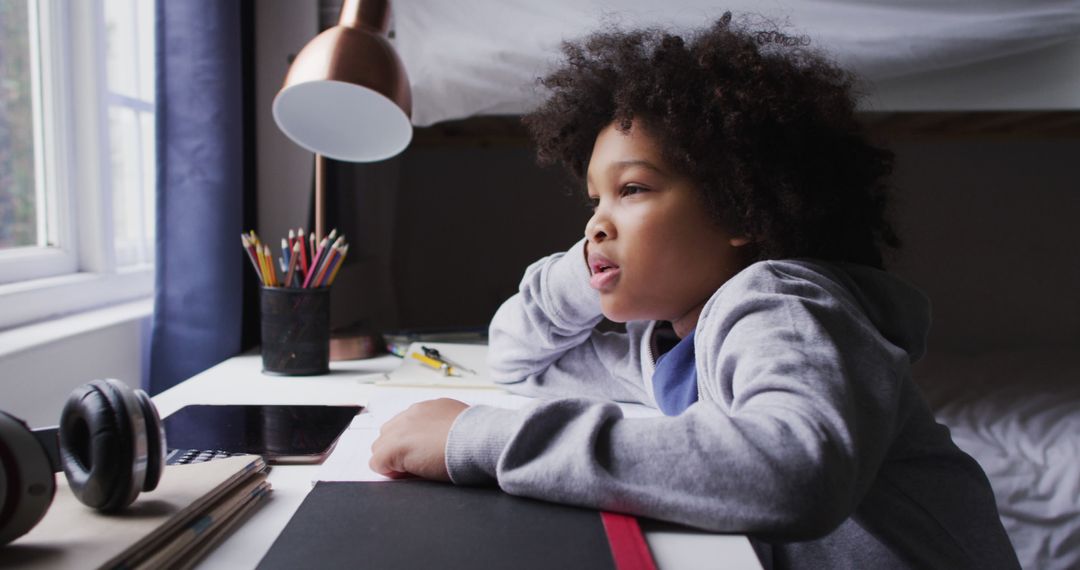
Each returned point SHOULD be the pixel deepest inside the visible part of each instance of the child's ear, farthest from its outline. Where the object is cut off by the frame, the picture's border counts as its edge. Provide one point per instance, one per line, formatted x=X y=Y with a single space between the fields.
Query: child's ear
x=739 y=241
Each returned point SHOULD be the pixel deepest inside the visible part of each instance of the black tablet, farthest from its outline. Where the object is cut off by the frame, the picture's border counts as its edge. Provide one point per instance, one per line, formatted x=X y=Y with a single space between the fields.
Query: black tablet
x=280 y=433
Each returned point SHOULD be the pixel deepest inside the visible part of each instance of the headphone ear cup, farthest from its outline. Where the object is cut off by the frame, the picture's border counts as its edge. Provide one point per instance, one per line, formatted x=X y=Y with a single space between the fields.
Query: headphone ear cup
x=155 y=441
x=27 y=481
x=103 y=444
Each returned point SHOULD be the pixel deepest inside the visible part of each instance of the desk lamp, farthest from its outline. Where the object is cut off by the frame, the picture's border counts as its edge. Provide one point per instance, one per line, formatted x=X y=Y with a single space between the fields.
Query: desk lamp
x=346 y=97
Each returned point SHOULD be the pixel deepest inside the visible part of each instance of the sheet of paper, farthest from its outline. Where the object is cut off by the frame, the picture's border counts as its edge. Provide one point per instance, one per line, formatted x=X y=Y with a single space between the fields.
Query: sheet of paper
x=349 y=460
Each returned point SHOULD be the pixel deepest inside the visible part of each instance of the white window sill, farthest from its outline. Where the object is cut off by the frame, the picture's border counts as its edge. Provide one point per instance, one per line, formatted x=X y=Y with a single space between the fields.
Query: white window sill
x=28 y=337
x=45 y=300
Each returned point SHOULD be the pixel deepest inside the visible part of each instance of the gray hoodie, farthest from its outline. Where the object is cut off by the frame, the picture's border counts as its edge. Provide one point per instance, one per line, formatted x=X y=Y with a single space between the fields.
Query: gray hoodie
x=808 y=433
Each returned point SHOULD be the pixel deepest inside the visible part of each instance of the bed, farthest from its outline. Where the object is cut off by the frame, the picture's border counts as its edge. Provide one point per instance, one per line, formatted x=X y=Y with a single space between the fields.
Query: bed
x=473 y=57
x=1017 y=412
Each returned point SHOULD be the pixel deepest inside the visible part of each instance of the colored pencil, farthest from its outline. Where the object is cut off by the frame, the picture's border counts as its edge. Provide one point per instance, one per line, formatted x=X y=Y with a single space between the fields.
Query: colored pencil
x=262 y=264
x=303 y=250
x=268 y=264
x=293 y=263
x=324 y=266
x=270 y=253
x=250 y=251
x=337 y=265
x=272 y=272
x=341 y=261
x=327 y=264
x=315 y=261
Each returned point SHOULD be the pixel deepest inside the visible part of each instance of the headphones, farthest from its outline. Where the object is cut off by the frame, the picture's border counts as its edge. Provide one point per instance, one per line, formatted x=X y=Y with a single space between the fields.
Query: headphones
x=110 y=445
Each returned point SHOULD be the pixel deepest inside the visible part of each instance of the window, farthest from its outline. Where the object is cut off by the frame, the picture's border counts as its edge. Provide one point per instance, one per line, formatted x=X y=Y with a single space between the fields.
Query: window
x=19 y=224
x=76 y=155
x=129 y=27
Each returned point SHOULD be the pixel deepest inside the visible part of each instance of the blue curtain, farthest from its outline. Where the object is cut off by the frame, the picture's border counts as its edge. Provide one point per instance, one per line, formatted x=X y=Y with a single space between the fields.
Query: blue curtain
x=201 y=52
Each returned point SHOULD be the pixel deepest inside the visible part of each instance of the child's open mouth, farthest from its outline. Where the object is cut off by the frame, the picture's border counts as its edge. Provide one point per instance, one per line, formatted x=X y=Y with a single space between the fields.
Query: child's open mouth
x=604 y=273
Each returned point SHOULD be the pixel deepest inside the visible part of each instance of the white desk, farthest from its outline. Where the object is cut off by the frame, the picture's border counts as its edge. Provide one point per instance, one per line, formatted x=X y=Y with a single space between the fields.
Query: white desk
x=240 y=380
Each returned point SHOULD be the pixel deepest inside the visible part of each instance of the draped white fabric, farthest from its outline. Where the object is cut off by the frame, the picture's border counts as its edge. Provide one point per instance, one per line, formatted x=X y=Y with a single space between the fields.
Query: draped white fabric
x=470 y=57
x=1017 y=412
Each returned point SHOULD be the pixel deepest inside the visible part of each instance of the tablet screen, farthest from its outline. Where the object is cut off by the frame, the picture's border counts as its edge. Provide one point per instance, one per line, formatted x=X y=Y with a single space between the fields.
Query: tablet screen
x=280 y=433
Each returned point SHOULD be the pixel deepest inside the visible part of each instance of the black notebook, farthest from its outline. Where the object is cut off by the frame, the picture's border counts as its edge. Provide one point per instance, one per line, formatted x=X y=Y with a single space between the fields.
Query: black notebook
x=423 y=524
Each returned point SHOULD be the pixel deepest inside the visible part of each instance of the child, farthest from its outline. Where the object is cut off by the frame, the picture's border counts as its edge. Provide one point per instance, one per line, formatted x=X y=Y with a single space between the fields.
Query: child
x=737 y=231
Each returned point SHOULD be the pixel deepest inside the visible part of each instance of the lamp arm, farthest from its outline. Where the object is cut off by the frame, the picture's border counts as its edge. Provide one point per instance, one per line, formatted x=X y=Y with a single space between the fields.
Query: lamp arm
x=320 y=196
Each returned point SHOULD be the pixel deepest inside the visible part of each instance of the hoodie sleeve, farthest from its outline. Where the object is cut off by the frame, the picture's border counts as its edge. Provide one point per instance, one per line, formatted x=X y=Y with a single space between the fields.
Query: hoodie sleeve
x=800 y=414
x=543 y=341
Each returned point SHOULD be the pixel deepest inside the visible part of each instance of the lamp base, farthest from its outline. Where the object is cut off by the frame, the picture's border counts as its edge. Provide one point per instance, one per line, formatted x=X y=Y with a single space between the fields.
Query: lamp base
x=355 y=344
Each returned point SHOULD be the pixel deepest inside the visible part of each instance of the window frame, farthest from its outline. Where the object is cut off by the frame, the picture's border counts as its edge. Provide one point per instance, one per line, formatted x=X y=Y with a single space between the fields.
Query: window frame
x=79 y=272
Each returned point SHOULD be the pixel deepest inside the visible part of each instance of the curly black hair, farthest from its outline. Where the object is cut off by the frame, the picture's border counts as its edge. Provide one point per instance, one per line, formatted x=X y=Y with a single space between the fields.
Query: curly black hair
x=763 y=125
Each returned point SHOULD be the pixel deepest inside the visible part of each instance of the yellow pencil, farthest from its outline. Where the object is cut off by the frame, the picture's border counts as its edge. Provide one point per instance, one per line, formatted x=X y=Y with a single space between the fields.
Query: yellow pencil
x=443 y=367
x=269 y=256
x=262 y=264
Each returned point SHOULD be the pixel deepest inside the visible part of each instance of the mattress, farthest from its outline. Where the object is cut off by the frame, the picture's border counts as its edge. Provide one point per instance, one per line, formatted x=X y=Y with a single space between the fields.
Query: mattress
x=1018 y=414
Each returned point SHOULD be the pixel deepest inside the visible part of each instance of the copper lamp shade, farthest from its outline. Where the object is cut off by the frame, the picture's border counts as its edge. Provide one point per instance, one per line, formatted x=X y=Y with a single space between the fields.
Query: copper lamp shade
x=346 y=95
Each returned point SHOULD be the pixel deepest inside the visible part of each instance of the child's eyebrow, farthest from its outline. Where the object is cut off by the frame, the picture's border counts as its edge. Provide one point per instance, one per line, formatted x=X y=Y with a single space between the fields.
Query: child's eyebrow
x=624 y=164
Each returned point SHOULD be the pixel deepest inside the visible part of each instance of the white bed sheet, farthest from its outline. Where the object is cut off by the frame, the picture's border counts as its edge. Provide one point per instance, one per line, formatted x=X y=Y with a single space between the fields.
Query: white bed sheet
x=471 y=57
x=1018 y=414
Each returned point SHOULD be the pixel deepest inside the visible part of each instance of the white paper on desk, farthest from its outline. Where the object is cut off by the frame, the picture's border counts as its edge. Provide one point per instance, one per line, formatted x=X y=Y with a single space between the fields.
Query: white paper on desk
x=411 y=373
x=349 y=460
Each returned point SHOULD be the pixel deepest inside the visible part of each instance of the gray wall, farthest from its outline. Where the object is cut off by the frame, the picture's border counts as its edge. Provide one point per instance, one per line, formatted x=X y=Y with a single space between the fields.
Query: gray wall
x=470 y=221
x=54 y=358
x=992 y=238
x=988 y=229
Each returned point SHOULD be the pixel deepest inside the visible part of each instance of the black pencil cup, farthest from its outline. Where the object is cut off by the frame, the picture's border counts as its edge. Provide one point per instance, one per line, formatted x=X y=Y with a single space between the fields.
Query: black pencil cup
x=295 y=331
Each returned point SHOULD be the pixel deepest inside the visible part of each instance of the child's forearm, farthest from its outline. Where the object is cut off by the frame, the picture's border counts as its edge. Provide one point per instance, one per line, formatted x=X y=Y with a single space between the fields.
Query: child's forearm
x=552 y=312
x=543 y=342
x=703 y=468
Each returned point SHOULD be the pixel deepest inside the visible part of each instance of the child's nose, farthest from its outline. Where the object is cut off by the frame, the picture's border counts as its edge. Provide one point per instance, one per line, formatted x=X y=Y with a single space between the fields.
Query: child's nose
x=598 y=229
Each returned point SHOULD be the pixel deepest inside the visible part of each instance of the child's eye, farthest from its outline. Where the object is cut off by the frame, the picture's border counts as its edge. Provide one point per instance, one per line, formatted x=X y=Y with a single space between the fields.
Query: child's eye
x=593 y=202
x=631 y=189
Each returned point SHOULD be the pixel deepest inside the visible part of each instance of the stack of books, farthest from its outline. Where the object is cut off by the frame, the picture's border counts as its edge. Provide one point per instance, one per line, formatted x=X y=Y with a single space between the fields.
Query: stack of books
x=192 y=509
